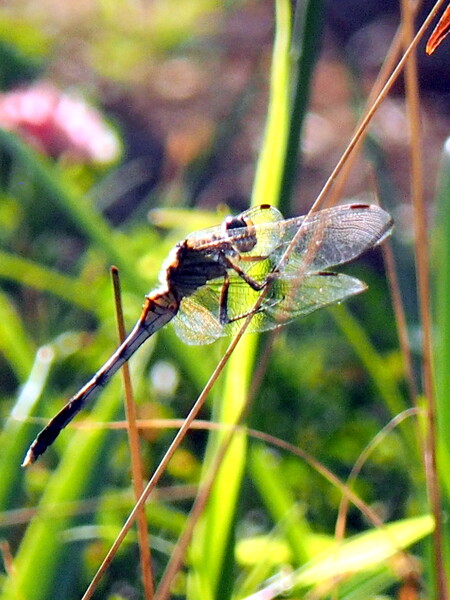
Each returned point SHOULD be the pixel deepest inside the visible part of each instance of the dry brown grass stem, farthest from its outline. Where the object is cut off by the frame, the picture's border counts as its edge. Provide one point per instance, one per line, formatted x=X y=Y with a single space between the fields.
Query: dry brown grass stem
x=179 y=437
x=423 y=288
x=386 y=69
x=360 y=131
x=133 y=441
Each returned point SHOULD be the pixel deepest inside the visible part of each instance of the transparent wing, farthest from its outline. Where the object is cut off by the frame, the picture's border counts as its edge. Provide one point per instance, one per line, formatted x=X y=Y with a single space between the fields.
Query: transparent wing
x=264 y=213
x=195 y=323
x=198 y=321
x=333 y=236
x=263 y=222
x=266 y=221
x=327 y=238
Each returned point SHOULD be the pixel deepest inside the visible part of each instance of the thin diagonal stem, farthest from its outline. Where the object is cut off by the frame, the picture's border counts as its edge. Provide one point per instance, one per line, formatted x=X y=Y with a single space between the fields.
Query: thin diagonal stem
x=168 y=455
x=366 y=120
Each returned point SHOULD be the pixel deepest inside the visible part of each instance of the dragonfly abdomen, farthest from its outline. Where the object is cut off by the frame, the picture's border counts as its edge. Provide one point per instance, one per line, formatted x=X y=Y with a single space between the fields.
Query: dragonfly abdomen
x=159 y=308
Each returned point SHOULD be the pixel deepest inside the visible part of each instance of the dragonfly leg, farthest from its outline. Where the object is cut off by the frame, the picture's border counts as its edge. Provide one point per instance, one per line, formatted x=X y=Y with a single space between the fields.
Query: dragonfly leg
x=264 y=307
x=255 y=285
x=223 y=304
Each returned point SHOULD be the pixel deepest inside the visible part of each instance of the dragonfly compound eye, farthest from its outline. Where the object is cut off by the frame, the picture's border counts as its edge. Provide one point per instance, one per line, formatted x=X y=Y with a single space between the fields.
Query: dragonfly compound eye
x=244 y=239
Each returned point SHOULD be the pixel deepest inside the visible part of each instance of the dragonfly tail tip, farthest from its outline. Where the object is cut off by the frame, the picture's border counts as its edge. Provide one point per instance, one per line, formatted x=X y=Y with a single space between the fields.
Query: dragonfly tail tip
x=29 y=458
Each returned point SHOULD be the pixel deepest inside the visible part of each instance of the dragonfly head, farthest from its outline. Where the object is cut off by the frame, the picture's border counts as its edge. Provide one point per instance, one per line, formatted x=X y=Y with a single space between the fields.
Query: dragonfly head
x=244 y=239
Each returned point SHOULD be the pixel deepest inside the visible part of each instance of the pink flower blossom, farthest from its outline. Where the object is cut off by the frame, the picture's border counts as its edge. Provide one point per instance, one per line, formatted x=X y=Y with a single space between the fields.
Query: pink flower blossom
x=58 y=124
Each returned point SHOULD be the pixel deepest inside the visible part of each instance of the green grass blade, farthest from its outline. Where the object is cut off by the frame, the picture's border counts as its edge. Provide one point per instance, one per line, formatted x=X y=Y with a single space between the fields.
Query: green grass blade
x=306 y=37
x=370 y=358
x=269 y=172
x=280 y=502
x=86 y=220
x=30 y=274
x=39 y=562
x=365 y=551
x=211 y=554
x=15 y=436
x=358 y=564
x=215 y=535
x=441 y=270
x=15 y=344
x=375 y=366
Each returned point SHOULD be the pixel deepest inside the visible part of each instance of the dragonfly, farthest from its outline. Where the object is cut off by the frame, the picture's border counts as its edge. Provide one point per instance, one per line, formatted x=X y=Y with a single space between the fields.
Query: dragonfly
x=211 y=281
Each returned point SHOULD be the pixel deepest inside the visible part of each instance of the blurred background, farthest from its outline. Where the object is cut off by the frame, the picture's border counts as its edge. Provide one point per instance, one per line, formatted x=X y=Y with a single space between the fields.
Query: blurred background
x=184 y=85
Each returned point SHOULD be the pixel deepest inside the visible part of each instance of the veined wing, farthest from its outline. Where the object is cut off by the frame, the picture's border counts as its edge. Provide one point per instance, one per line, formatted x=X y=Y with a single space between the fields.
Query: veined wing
x=328 y=237
x=332 y=237
x=198 y=320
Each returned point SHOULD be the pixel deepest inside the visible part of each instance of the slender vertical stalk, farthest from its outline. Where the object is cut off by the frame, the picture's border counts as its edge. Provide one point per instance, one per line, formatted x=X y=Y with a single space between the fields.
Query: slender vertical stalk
x=423 y=289
x=133 y=440
x=305 y=44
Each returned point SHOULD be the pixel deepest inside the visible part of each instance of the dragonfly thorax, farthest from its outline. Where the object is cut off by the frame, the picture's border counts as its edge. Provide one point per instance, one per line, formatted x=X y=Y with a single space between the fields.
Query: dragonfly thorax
x=189 y=268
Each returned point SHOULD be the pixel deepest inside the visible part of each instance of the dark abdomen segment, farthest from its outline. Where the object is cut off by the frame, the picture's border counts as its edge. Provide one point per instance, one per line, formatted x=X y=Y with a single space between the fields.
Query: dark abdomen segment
x=159 y=308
